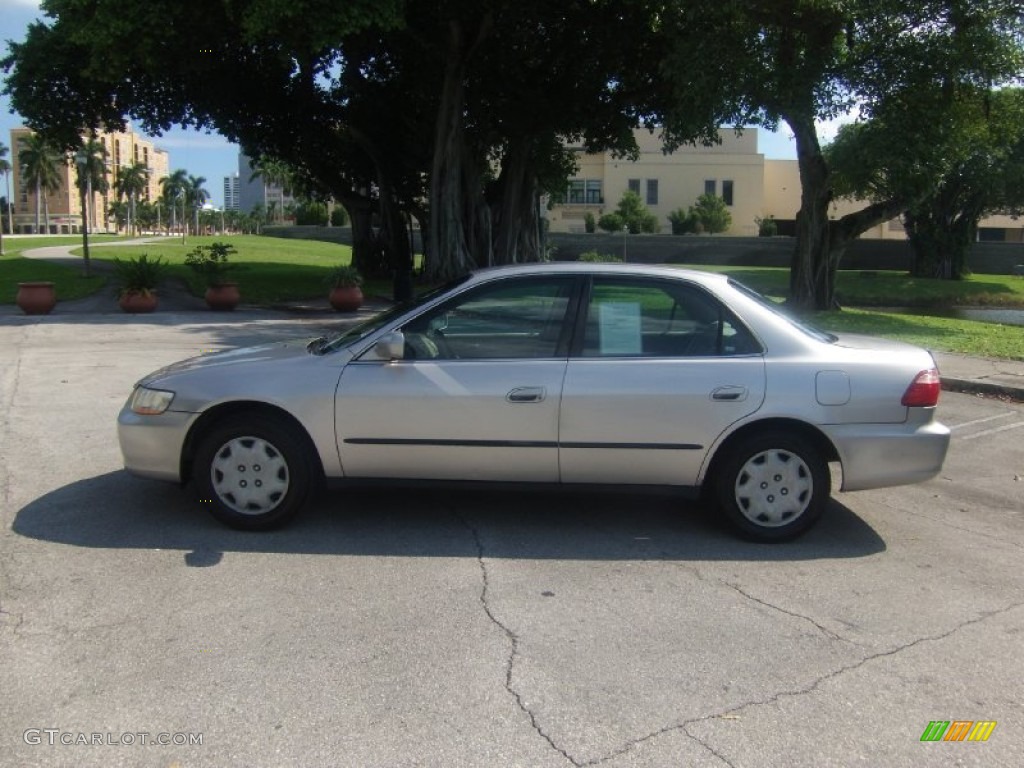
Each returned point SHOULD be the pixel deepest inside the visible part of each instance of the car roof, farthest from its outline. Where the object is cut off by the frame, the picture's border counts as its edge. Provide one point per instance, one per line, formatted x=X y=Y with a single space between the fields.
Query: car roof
x=600 y=268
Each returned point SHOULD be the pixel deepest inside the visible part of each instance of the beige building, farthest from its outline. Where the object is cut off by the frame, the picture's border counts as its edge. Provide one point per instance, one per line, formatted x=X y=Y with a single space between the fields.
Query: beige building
x=753 y=188
x=65 y=210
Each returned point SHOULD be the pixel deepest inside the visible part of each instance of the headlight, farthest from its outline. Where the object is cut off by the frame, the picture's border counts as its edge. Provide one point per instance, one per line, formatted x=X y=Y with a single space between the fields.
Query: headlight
x=151 y=402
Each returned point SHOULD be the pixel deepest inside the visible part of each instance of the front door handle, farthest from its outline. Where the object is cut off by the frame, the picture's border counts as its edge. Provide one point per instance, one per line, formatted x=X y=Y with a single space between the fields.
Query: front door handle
x=732 y=394
x=526 y=395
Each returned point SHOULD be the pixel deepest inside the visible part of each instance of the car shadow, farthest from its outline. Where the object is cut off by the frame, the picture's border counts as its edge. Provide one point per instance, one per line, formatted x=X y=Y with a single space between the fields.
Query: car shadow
x=117 y=510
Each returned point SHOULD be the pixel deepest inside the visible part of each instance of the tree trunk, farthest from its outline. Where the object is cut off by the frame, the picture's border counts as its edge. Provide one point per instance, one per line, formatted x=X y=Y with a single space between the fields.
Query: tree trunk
x=452 y=186
x=516 y=212
x=39 y=204
x=812 y=271
x=941 y=232
x=365 y=254
x=85 y=233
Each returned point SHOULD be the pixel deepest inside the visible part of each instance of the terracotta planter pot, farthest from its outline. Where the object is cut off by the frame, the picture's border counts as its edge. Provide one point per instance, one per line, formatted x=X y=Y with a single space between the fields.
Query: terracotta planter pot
x=137 y=303
x=347 y=299
x=223 y=297
x=36 y=298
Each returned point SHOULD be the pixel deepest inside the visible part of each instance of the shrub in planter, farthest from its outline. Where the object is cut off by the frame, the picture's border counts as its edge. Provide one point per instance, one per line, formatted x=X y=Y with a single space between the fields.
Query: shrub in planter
x=137 y=280
x=345 y=284
x=210 y=262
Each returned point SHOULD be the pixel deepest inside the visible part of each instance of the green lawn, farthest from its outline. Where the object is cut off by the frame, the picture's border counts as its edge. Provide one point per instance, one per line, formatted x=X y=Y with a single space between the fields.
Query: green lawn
x=268 y=269
x=966 y=337
x=892 y=288
x=68 y=281
x=271 y=270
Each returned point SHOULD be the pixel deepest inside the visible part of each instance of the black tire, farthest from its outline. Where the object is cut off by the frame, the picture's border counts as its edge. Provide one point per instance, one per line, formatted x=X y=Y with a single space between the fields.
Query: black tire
x=773 y=486
x=270 y=482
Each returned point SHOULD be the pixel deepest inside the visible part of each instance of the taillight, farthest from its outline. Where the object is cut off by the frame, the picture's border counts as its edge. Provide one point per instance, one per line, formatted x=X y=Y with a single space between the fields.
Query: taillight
x=923 y=391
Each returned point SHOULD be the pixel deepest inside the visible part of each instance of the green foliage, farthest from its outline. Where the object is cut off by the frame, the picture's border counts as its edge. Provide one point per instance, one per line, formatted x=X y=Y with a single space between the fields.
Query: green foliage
x=635 y=215
x=339 y=216
x=139 y=275
x=949 y=173
x=210 y=262
x=683 y=222
x=594 y=257
x=766 y=227
x=611 y=222
x=311 y=213
x=589 y=222
x=711 y=213
x=344 y=276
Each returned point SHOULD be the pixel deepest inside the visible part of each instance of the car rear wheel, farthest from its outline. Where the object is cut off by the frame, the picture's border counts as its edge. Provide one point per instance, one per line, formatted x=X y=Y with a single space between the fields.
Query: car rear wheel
x=252 y=472
x=773 y=486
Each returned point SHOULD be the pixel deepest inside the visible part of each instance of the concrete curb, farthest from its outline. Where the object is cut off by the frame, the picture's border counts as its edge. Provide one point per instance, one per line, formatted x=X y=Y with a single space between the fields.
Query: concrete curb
x=976 y=387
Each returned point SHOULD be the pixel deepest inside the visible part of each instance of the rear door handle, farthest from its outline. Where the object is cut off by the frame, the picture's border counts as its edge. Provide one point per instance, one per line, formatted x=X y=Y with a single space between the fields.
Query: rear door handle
x=731 y=394
x=526 y=395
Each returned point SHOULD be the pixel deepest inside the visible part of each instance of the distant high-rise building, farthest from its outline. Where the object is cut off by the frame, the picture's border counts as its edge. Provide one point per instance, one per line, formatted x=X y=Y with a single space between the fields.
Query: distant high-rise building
x=259 y=191
x=232 y=193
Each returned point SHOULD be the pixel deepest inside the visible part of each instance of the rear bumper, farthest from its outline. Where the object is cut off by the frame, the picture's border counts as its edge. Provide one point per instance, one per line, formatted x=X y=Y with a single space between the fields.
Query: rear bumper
x=151 y=445
x=883 y=455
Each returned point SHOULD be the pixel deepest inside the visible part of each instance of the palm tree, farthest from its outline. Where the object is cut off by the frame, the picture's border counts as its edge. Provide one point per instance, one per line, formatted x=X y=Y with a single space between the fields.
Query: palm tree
x=91 y=161
x=40 y=166
x=131 y=181
x=173 y=187
x=195 y=196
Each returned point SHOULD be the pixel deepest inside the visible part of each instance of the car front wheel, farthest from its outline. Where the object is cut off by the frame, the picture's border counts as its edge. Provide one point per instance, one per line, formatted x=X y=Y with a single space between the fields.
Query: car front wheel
x=252 y=472
x=773 y=486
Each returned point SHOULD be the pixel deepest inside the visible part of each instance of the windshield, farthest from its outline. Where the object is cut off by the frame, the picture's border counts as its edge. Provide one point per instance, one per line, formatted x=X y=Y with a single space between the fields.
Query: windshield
x=357 y=332
x=774 y=307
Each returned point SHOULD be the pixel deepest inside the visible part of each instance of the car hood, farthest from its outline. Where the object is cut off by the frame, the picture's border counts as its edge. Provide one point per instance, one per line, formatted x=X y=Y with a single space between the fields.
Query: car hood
x=258 y=355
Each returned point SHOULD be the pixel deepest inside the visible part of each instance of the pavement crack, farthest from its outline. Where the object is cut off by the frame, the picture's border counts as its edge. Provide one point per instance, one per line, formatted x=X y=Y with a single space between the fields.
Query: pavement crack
x=824 y=630
x=801 y=691
x=513 y=640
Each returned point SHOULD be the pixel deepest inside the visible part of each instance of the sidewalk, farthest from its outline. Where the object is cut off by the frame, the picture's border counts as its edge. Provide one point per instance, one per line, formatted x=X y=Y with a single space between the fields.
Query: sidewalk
x=960 y=373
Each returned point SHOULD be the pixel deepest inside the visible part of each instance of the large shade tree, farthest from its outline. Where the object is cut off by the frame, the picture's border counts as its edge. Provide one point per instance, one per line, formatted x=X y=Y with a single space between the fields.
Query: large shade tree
x=972 y=166
x=798 y=62
x=462 y=105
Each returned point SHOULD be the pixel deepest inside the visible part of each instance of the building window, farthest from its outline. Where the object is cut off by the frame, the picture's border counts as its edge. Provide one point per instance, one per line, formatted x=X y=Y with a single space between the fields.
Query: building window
x=585 y=192
x=727 y=192
x=652 y=191
x=709 y=186
x=634 y=186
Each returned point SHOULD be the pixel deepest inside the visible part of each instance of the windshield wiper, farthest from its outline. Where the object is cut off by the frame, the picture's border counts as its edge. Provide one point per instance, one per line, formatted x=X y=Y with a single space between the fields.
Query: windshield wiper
x=316 y=345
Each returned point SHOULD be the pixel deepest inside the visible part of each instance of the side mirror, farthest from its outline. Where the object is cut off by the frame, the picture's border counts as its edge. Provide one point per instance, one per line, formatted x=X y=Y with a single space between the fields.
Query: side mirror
x=391 y=347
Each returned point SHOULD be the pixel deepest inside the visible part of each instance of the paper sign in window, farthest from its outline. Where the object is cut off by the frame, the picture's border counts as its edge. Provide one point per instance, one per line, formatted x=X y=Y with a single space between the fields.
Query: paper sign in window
x=620 y=328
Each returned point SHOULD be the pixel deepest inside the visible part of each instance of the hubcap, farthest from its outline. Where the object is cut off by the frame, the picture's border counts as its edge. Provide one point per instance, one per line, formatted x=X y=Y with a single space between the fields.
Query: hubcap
x=249 y=475
x=774 y=488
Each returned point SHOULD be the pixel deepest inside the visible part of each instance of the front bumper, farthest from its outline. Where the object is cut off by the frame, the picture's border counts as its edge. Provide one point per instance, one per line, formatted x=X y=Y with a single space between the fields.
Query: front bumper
x=883 y=455
x=151 y=445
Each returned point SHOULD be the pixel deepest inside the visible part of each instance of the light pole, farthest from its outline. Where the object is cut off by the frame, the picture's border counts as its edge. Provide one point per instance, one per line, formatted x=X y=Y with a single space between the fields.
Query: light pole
x=184 y=222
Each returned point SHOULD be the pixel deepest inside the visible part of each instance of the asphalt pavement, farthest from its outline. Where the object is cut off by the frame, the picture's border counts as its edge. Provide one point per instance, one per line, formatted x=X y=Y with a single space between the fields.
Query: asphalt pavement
x=960 y=373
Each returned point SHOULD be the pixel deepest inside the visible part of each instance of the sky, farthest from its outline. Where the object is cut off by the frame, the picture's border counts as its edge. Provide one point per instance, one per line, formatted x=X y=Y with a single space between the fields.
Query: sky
x=214 y=157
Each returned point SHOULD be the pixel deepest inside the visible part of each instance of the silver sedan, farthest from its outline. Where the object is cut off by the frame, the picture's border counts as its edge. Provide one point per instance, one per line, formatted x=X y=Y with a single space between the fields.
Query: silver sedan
x=570 y=374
